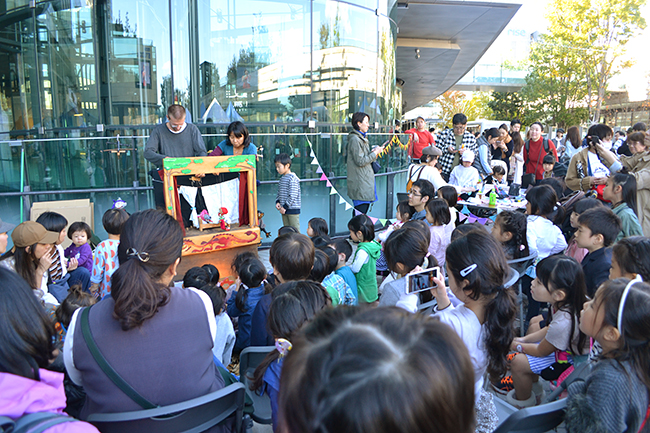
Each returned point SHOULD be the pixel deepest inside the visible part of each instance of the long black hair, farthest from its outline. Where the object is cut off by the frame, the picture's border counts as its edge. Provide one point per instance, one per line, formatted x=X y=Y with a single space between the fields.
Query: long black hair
x=480 y=249
x=516 y=224
x=628 y=189
x=318 y=226
x=543 y=202
x=26 y=331
x=252 y=274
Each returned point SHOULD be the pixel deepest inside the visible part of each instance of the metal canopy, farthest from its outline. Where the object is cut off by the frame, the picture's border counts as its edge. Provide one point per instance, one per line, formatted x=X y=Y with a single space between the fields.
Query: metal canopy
x=451 y=36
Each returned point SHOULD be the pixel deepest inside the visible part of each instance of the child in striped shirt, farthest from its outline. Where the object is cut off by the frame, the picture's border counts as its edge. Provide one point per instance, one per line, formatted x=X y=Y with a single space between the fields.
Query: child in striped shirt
x=288 y=199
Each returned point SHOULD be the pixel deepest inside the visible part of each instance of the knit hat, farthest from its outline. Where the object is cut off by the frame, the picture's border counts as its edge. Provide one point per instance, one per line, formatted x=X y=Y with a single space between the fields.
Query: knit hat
x=5 y=227
x=468 y=156
x=29 y=233
x=432 y=150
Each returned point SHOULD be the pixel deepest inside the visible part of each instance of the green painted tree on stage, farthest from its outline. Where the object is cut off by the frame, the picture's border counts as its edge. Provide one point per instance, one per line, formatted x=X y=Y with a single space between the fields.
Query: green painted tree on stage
x=584 y=49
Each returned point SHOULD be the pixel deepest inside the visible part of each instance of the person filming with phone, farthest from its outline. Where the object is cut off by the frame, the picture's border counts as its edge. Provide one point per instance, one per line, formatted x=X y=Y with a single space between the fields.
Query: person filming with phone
x=588 y=170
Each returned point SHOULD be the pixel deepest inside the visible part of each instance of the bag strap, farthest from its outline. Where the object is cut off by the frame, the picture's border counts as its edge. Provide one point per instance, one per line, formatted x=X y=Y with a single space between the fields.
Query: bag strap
x=420 y=173
x=645 y=420
x=106 y=367
x=36 y=422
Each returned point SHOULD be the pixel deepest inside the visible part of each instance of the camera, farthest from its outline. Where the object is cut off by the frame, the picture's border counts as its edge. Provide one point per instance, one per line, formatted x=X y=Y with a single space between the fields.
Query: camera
x=595 y=140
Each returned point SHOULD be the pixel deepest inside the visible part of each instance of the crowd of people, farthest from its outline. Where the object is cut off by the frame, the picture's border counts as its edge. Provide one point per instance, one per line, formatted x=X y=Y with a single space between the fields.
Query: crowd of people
x=354 y=349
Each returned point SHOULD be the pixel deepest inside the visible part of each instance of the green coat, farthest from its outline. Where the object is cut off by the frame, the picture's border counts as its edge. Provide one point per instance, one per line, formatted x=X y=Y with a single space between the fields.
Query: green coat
x=630 y=225
x=361 y=177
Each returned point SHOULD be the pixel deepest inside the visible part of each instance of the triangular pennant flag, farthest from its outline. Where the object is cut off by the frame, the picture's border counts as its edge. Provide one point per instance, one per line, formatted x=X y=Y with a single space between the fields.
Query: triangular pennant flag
x=319 y=170
x=471 y=219
x=323 y=177
x=383 y=221
x=356 y=212
x=374 y=220
x=348 y=206
x=315 y=162
x=329 y=184
x=462 y=217
x=312 y=154
x=465 y=210
x=341 y=199
x=393 y=220
x=332 y=191
x=482 y=220
x=493 y=217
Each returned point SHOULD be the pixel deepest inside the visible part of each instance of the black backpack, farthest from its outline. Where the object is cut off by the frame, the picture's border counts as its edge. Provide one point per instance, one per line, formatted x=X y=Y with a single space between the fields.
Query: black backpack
x=33 y=422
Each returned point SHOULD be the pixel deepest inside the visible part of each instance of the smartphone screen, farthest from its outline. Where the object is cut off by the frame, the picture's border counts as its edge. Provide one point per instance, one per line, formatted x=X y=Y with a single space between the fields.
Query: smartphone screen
x=422 y=280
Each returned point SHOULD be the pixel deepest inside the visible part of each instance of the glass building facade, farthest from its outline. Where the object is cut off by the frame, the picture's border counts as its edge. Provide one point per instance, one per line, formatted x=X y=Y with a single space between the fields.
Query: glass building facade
x=82 y=83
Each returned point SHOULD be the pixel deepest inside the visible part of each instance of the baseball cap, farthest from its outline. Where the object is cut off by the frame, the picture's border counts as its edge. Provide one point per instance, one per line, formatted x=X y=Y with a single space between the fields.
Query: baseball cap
x=29 y=233
x=468 y=156
x=5 y=227
x=432 y=150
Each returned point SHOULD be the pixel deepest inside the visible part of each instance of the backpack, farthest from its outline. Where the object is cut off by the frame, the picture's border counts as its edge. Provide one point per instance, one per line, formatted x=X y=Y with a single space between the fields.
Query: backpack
x=544 y=143
x=33 y=422
x=409 y=184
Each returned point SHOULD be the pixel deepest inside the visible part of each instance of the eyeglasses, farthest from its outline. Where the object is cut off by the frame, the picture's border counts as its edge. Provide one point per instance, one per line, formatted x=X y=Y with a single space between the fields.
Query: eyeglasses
x=415 y=194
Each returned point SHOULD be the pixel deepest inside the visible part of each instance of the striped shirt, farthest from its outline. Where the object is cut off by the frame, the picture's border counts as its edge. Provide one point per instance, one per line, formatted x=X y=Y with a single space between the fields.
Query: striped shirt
x=289 y=193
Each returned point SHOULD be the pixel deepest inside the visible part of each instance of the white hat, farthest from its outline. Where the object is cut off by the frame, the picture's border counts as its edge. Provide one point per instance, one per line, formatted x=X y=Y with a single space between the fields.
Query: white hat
x=468 y=156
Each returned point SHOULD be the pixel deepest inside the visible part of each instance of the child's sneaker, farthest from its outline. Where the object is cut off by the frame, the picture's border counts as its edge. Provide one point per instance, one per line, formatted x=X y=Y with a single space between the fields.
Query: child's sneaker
x=521 y=404
x=504 y=386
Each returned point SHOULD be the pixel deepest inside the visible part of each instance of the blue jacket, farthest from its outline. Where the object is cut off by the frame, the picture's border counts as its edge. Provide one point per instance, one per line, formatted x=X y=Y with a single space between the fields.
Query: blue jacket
x=244 y=334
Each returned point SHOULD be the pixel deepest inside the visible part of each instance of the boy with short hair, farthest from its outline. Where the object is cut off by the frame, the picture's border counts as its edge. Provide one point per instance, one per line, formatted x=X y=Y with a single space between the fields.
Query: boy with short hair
x=421 y=192
x=344 y=250
x=288 y=198
x=105 y=261
x=548 y=163
x=597 y=230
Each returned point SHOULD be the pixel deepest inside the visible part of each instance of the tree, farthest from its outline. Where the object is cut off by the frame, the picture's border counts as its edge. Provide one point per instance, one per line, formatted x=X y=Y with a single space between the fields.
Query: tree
x=506 y=105
x=597 y=32
x=453 y=101
x=555 y=90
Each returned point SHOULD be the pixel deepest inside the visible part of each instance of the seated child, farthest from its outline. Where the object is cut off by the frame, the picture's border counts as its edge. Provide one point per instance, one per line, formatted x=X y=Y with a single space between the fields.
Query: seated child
x=597 y=230
x=405 y=249
x=582 y=205
x=344 y=251
x=438 y=216
x=373 y=354
x=464 y=175
x=560 y=282
x=250 y=287
x=345 y=294
x=287 y=229
x=614 y=396
x=79 y=232
x=547 y=164
x=403 y=214
x=364 y=263
x=621 y=191
x=319 y=271
x=450 y=195
x=317 y=227
x=105 y=261
x=224 y=341
x=499 y=175
x=510 y=229
x=292 y=257
x=294 y=304
x=213 y=273
x=631 y=258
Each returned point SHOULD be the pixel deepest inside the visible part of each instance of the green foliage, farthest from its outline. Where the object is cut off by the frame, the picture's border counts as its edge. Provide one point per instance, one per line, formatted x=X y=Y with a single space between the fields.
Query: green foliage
x=506 y=105
x=570 y=67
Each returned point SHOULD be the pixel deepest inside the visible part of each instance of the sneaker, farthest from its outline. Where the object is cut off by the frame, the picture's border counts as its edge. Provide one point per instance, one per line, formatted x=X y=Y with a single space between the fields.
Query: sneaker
x=504 y=386
x=521 y=404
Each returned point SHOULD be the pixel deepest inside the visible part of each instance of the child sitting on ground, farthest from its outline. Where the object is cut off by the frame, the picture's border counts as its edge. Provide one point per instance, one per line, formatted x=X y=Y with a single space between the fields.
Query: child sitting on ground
x=631 y=257
x=250 y=286
x=597 y=230
x=449 y=194
x=560 y=282
x=317 y=227
x=403 y=214
x=362 y=231
x=621 y=191
x=79 y=233
x=510 y=229
x=438 y=216
x=294 y=304
x=614 y=396
x=105 y=261
x=344 y=251
x=224 y=341
x=376 y=370
x=287 y=229
x=582 y=205
x=345 y=295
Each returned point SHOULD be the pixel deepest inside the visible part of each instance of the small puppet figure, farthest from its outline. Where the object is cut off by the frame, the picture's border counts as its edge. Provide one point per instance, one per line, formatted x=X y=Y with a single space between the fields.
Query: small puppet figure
x=262 y=226
x=225 y=225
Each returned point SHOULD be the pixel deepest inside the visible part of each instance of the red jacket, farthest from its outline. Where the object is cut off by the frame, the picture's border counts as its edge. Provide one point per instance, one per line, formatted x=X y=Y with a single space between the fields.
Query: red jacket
x=425 y=139
x=536 y=152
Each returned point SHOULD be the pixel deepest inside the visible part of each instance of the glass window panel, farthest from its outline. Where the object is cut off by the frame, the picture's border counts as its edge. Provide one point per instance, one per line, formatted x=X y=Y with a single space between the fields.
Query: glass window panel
x=67 y=66
x=140 y=67
x=254 y=55
x=19 y=103
x=181 y=53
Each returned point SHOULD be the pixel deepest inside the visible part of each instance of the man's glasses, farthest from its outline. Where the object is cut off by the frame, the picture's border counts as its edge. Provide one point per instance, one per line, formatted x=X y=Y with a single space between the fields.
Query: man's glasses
x=415 y=193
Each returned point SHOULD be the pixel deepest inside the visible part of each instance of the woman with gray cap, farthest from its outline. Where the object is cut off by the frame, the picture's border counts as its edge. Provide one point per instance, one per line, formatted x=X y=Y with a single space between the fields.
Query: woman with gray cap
x=32 y=256
x=4 y=228
x=427 y=168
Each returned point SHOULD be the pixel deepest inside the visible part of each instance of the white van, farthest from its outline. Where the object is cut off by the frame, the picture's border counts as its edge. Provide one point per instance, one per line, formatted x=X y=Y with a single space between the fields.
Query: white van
x=481 y=125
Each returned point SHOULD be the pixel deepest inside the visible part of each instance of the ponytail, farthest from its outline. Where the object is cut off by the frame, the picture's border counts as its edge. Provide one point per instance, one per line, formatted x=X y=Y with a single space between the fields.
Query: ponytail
x=150 y=243
x=252 y=274
x=499 y=330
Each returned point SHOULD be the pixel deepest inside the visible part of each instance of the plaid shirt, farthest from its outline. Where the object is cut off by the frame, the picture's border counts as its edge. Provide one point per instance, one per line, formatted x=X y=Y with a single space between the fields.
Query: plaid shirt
x=447 y=138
